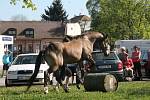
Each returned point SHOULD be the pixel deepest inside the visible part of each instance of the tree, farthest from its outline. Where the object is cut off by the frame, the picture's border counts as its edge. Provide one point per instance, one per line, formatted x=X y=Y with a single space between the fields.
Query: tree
x=122 y=19
x=25 y=3
x=55 y=12
x=93 y=7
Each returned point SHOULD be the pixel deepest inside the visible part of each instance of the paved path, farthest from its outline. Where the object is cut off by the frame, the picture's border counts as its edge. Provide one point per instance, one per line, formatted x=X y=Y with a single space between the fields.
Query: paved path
x=2 y=81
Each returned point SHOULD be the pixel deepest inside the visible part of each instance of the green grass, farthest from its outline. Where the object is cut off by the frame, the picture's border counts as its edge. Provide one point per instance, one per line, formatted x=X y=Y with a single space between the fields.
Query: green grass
x=126 y=91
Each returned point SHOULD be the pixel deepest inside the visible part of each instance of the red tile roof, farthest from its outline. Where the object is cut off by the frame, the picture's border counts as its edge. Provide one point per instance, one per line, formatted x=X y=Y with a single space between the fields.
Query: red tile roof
x=42 y=29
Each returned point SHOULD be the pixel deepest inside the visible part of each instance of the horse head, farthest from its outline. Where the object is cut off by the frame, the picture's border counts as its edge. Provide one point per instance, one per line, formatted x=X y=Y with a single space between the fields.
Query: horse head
x=99 y=40
x=104 y=45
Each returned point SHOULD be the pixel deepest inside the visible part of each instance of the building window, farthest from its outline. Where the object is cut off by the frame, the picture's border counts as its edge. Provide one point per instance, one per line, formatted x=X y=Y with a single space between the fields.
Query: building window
x=29 y=32
x=12 y=32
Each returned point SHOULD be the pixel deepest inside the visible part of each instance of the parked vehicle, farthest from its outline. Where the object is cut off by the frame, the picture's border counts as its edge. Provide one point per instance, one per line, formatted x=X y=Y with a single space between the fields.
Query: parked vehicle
x=108 y=64
x=145 y=62
x=22 y=68
x=144 y=46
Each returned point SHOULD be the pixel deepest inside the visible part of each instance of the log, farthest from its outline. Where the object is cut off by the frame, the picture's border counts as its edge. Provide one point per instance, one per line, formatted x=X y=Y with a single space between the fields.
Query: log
x=100 y=82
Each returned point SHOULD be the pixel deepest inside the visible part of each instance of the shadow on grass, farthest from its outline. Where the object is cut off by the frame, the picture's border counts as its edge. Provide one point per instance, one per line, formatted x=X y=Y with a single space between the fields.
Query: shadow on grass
x=141 y=91
x=20 y=92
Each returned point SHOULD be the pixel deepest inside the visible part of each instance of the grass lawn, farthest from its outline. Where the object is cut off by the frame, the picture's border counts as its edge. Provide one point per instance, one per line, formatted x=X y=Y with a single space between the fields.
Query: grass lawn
x=139 y=90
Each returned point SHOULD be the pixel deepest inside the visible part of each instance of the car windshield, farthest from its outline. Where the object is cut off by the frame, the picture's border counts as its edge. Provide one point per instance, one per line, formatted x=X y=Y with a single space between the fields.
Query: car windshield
x=100 y=56
x=26 y=59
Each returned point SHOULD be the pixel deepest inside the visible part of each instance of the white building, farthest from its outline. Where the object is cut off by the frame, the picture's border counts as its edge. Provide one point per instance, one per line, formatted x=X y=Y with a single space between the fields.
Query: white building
x=84 y=22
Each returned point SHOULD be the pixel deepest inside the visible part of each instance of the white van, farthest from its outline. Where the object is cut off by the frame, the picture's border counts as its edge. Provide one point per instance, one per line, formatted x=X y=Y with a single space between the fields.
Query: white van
x=22 y=69
x=144 y=45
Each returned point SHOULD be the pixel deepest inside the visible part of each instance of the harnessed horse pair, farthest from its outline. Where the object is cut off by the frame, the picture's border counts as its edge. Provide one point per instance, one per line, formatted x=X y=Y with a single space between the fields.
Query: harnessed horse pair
x=76 y=50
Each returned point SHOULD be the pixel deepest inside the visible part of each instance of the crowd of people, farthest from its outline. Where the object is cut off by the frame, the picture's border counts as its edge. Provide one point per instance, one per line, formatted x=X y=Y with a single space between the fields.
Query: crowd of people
x=132 y=65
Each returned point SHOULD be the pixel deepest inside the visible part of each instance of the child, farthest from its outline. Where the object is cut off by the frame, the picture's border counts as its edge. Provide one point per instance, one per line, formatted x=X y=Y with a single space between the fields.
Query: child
x=128 y=67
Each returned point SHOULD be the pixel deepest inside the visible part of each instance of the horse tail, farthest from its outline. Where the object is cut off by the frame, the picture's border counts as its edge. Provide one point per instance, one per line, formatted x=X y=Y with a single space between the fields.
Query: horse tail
x=36 y=70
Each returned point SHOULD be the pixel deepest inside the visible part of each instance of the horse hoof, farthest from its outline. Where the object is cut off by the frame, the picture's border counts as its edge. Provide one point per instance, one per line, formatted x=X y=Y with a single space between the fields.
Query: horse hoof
x=78 y=86
x=66 y=90
x=45 y=90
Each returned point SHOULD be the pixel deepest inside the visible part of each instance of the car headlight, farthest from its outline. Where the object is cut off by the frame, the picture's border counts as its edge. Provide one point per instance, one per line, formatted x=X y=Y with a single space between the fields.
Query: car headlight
x=12 y=72
x=40 y=71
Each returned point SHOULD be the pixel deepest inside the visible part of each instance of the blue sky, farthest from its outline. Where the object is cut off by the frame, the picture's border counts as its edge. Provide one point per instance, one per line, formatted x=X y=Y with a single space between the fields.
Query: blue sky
x=72 y=7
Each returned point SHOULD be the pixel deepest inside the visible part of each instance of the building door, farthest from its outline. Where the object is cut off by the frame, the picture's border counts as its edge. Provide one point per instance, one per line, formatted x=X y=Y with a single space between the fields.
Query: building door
x=20 y=49
x=30 y=48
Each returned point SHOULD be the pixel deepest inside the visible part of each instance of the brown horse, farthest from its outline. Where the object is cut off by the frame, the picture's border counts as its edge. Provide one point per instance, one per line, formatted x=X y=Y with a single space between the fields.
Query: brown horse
x=76 y=50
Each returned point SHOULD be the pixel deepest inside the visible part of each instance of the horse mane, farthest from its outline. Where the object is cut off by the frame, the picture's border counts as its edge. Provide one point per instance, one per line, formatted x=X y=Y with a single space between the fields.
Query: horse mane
x=68 y=38
x=52 y=46
x=89 y=34
x=78 y=36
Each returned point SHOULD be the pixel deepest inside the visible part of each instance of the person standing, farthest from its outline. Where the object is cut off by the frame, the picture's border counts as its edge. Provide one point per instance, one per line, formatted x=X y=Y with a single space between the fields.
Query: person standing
x=147 y=70
x=6 y=61
x=136 y=54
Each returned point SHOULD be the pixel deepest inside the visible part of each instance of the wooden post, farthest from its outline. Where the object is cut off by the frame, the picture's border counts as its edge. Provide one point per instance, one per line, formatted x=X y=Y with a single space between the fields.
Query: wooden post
x=100 y=82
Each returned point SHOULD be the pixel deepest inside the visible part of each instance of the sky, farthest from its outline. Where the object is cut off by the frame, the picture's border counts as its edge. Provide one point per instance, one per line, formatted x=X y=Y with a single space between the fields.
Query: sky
x=72 y=7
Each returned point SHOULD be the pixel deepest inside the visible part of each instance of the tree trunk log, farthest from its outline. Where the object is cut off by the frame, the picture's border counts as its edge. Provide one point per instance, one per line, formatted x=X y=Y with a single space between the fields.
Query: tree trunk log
x=100 y=82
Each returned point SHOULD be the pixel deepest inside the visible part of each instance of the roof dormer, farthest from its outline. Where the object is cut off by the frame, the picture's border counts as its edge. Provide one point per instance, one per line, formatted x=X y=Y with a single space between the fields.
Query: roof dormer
x=11 y=32
x=29 y=32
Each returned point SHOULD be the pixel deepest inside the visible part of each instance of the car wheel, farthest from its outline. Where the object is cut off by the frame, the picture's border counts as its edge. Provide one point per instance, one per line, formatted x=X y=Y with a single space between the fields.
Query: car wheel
x=6 y=82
